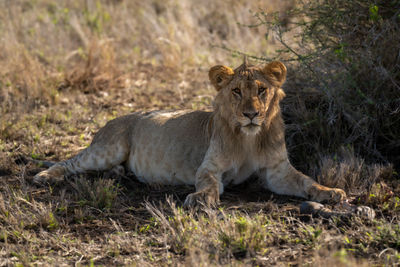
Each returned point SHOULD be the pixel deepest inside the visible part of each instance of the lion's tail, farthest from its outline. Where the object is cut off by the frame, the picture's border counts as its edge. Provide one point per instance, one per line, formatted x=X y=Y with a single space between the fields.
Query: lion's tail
x=43 y=163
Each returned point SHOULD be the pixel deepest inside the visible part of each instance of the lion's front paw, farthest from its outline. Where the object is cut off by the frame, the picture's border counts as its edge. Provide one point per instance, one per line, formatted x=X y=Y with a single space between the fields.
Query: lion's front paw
x=201 y=198
x=324 y=194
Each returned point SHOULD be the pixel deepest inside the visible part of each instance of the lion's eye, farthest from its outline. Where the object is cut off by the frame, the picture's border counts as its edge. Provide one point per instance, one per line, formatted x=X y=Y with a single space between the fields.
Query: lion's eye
x=237 y=91
x=261 y=90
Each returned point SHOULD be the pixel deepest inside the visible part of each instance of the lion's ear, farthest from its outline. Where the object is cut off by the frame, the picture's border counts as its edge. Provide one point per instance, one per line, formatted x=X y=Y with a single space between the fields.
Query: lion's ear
x=275 y=72
x=220 y=76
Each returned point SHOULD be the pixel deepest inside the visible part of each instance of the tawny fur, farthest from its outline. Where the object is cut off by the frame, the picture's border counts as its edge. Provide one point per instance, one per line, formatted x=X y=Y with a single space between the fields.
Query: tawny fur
x=244 y=135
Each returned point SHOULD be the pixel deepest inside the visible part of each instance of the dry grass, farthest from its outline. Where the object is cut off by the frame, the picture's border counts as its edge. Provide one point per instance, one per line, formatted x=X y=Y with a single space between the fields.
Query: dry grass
x=67 y=67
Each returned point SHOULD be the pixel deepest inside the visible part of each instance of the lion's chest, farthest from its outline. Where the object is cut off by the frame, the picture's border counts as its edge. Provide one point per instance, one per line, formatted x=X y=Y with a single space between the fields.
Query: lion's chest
x=241 y=172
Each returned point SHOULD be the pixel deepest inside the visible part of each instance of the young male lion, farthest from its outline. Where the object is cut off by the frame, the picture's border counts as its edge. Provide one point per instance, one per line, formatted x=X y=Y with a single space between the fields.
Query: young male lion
x=242 y=136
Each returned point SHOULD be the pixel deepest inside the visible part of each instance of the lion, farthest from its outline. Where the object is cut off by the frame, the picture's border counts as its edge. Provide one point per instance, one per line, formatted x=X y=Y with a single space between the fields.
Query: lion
x=242 y=136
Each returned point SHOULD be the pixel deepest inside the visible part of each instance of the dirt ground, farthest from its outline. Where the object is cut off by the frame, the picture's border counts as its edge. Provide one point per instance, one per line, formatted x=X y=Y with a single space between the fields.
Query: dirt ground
x=69 y=67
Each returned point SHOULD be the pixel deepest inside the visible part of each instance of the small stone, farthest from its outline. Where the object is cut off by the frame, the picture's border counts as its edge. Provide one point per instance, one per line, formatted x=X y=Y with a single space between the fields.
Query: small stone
x=365 y=212
x=310 y=207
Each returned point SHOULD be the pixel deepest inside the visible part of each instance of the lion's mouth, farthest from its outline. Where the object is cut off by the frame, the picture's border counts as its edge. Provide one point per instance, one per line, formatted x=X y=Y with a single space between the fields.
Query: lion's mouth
x=252 y=125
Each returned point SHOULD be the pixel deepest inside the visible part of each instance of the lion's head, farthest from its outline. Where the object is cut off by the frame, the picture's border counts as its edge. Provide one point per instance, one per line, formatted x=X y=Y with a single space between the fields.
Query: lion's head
x=248 y=97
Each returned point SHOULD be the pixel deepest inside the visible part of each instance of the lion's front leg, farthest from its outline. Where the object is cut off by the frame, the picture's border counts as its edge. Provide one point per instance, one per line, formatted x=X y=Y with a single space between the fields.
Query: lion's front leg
x=325 y=194
x=208 y=183
x=283 y=178
x=208 y=189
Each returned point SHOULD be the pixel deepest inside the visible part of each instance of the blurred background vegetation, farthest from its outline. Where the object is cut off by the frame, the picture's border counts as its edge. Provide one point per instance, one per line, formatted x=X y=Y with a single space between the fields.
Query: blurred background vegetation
x=43 y=42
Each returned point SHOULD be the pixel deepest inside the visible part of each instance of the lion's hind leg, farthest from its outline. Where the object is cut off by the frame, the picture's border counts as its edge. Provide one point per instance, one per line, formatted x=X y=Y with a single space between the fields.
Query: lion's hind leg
x=94 y=158
x=52 y=175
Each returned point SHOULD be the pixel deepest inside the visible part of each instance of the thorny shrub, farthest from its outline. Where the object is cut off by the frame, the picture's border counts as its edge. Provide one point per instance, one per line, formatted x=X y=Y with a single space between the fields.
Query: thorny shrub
x=344 y=88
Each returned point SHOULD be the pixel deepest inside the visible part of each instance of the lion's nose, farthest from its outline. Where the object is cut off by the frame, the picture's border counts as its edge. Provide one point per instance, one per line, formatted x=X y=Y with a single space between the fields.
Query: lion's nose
x=250 y=115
